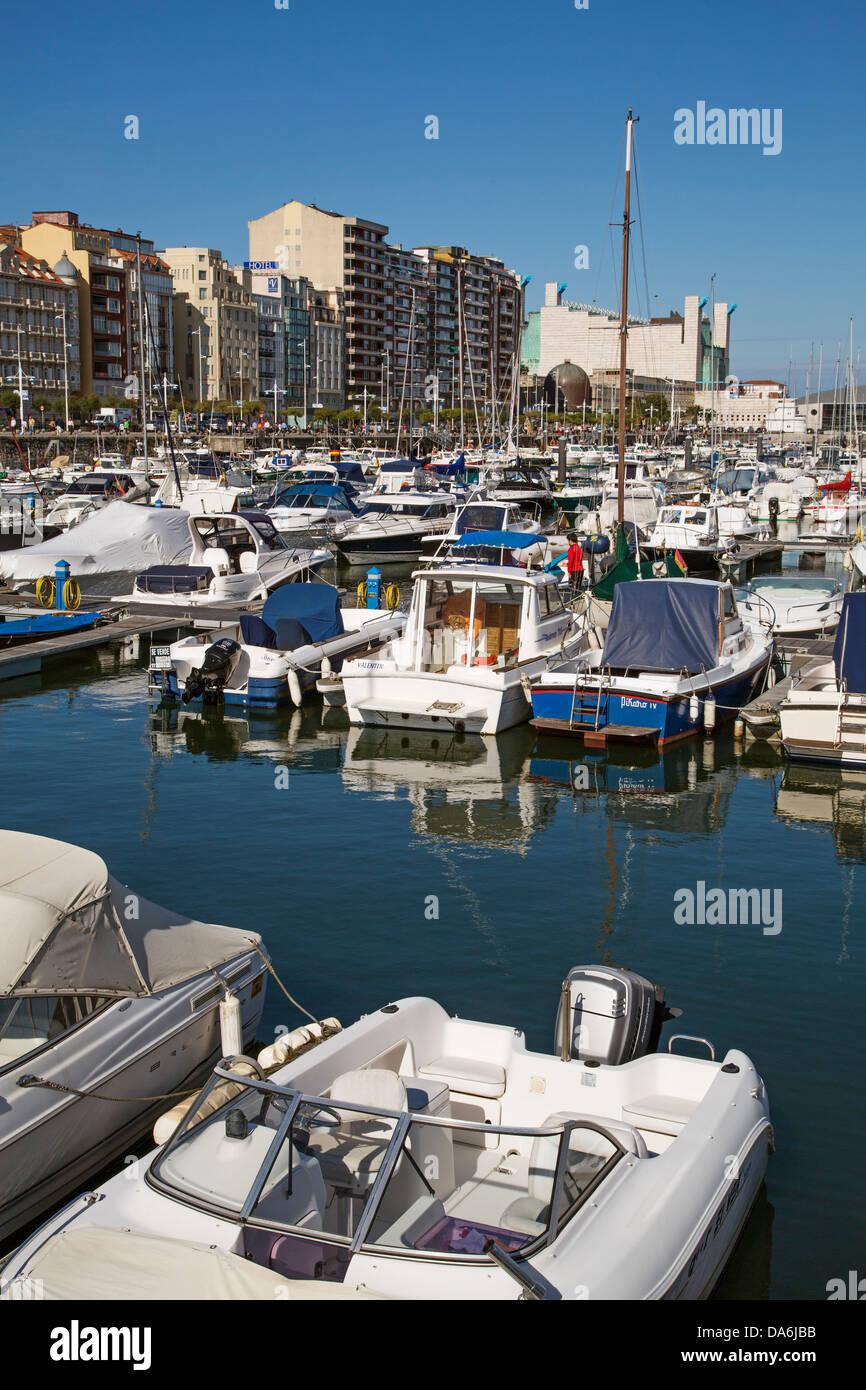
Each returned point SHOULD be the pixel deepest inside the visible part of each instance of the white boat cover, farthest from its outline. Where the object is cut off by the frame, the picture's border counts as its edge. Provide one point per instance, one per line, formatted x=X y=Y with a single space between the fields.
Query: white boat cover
x=68 y=927
x=87 y=1262
x=122 y=537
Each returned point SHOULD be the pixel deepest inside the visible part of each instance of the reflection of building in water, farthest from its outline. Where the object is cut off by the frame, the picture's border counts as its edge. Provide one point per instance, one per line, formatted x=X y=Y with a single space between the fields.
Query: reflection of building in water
x=460 y=786
x=297 y=739
x=827 y=796
x=687 y=787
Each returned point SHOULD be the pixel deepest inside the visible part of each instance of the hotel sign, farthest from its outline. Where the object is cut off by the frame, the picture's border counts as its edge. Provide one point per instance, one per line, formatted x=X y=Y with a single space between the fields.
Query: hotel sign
x=261 y=265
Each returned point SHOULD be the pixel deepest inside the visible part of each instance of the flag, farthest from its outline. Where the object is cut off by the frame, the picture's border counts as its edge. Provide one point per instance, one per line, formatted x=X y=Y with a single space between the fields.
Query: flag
x=681 y=562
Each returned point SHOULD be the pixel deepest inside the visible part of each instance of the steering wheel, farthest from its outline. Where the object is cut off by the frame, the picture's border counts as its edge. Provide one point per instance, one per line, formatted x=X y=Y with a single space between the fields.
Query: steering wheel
x=332 y=1122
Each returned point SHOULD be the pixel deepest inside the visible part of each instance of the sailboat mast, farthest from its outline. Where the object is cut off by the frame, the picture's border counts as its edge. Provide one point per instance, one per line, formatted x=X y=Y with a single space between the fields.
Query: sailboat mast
x=623 y=322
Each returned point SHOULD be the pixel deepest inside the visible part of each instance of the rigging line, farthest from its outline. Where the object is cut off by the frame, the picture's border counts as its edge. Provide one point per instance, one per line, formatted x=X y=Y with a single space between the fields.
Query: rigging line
x=610 y=219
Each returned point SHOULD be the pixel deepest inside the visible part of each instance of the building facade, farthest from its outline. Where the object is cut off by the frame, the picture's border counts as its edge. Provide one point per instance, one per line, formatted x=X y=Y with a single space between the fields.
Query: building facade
x=683 y=348
x=39 y=325
x=216 y=331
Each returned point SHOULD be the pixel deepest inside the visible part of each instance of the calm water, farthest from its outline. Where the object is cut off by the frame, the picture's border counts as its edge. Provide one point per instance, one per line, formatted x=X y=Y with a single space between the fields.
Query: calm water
x=540 y=857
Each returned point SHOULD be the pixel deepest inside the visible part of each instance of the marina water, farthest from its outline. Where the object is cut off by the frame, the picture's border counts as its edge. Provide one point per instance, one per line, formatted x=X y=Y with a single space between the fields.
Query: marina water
x=478 y=871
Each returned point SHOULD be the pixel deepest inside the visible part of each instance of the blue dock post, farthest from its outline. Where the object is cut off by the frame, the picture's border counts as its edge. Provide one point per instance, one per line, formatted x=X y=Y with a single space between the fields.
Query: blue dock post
x=374 y=587
x=61 y=574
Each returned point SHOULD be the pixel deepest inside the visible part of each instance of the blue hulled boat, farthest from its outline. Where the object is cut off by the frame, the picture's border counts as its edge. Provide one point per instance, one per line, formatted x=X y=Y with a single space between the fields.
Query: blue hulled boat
x=677 y=659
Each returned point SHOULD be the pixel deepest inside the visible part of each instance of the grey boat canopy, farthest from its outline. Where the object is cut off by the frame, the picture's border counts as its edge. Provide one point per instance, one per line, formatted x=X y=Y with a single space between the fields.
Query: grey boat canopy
x=664 y=625
x=69 y=928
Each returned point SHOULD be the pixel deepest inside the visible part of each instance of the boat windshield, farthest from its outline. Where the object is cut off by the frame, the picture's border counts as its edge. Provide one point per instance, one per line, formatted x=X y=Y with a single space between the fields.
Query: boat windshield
x=475 y=622
x=314 y=1179
x=805 y=583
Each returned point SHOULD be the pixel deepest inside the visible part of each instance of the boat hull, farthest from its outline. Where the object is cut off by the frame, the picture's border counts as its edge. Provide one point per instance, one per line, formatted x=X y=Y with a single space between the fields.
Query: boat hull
x=663 y=719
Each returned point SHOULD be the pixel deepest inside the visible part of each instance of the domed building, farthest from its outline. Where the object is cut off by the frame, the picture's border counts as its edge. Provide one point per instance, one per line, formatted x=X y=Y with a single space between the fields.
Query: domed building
x=567 y=385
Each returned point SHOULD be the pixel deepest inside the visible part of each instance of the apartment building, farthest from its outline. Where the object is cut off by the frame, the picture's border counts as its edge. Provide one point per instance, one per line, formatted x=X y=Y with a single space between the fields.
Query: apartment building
x=216 y=333
x=407 y=370
x=334 y=252
x=39 y=324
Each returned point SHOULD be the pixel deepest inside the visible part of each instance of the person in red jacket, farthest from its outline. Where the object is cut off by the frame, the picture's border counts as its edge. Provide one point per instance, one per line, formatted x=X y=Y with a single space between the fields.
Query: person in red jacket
x=574 y=562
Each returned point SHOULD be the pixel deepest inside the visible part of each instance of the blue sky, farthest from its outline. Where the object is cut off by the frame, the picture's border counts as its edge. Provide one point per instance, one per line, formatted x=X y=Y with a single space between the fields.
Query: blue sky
x=244 y=106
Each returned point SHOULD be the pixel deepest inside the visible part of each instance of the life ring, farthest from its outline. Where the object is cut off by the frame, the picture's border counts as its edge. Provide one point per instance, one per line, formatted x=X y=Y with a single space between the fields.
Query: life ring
x=45 y=591
x=71 y=594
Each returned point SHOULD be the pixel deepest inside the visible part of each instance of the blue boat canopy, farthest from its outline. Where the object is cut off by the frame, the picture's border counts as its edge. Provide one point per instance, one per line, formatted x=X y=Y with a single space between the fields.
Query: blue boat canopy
x=399 y=466
x=663 y=625
x=849 y=650
x=509 y=540
x=294 y=616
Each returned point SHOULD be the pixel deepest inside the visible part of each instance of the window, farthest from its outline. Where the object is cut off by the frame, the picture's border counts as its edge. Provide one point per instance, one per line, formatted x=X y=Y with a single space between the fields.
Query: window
x=202 y=275
x=202 y=294
x=26 y=1024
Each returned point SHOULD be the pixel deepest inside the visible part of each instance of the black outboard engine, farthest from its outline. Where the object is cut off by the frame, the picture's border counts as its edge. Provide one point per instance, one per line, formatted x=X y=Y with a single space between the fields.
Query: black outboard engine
x=773 y=510
x=609 y=1015
x=209 y=679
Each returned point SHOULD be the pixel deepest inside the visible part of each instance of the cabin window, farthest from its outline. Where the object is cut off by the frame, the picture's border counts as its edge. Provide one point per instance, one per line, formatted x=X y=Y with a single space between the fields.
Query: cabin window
x=730 y=604
x=698 y=518
x=491 y=610
x=550 y=601
x=29 y=1023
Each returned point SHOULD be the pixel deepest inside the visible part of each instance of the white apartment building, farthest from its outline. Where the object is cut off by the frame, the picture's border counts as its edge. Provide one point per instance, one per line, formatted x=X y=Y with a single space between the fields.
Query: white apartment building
x=33 y=301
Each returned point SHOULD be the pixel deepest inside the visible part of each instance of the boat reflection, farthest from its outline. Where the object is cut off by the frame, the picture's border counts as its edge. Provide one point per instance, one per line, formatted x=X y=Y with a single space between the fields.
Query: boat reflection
x=296 y=738
x=641 y=786
x=827 y=796
x=460 y=786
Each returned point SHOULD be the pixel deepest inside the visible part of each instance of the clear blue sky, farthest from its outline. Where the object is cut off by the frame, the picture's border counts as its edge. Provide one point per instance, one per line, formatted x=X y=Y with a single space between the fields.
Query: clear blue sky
x=242 y=107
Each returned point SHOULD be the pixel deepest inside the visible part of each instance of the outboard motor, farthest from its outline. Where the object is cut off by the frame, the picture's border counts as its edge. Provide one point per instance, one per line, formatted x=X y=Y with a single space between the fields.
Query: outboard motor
x=609 y=1015
x=773 y=509
x=209 y=679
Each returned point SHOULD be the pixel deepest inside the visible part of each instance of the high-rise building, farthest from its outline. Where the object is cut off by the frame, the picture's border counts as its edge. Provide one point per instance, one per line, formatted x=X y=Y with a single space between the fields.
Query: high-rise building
x=39 y=333
x=216 y=331
x=340 y=253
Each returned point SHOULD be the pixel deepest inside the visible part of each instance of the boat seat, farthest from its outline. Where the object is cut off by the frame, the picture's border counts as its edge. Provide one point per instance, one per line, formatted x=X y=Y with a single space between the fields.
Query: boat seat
x=12 y=1048
x=248 y=562
x=660 y=1114
x=218 y=560
x=529 y=1214
x=349 y=1156
x=467 y=1075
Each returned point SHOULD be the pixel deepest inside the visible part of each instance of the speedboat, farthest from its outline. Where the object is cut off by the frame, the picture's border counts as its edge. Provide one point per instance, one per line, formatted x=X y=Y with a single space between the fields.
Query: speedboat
x=480 y=514
x=311 y=509
x=235 y=557
x=519 y=482
x=263 y=662
x=475 y=634
x=691 y=531
x=392 y=526
x=102 y=994
x=790 y=605
x=87 y=494
x=823 y=716
x=415 y=1155
x=677 y=658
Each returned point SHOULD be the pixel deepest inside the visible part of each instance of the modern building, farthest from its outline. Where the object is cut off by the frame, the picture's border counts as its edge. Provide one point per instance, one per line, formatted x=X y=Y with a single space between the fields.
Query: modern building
x=407 y=376
x=682 y=348
x=334 y=252
x=39 y=325
x=830 y=412
x=216 y=332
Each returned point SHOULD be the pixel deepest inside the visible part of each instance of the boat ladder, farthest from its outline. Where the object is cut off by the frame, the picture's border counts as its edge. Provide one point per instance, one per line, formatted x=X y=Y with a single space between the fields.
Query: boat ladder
x=588 y=709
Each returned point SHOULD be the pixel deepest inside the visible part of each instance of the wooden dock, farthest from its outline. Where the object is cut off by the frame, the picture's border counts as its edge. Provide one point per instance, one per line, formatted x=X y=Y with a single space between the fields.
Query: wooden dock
x=25 y=659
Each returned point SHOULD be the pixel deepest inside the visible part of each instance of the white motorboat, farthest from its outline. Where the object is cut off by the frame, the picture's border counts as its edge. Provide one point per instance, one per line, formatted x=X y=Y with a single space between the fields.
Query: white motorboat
x=308 y=509
x=235 y=557
x=677 y=659
x=263 y=662
x=106 y=994
x=518 y=482
x=823 y=716
x=481 y=514
x=391 y=526
x=105 y=551
x=418 y=1156
x=476 y=633
x=89 y=493
x=791 y=605
x=692 y=531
